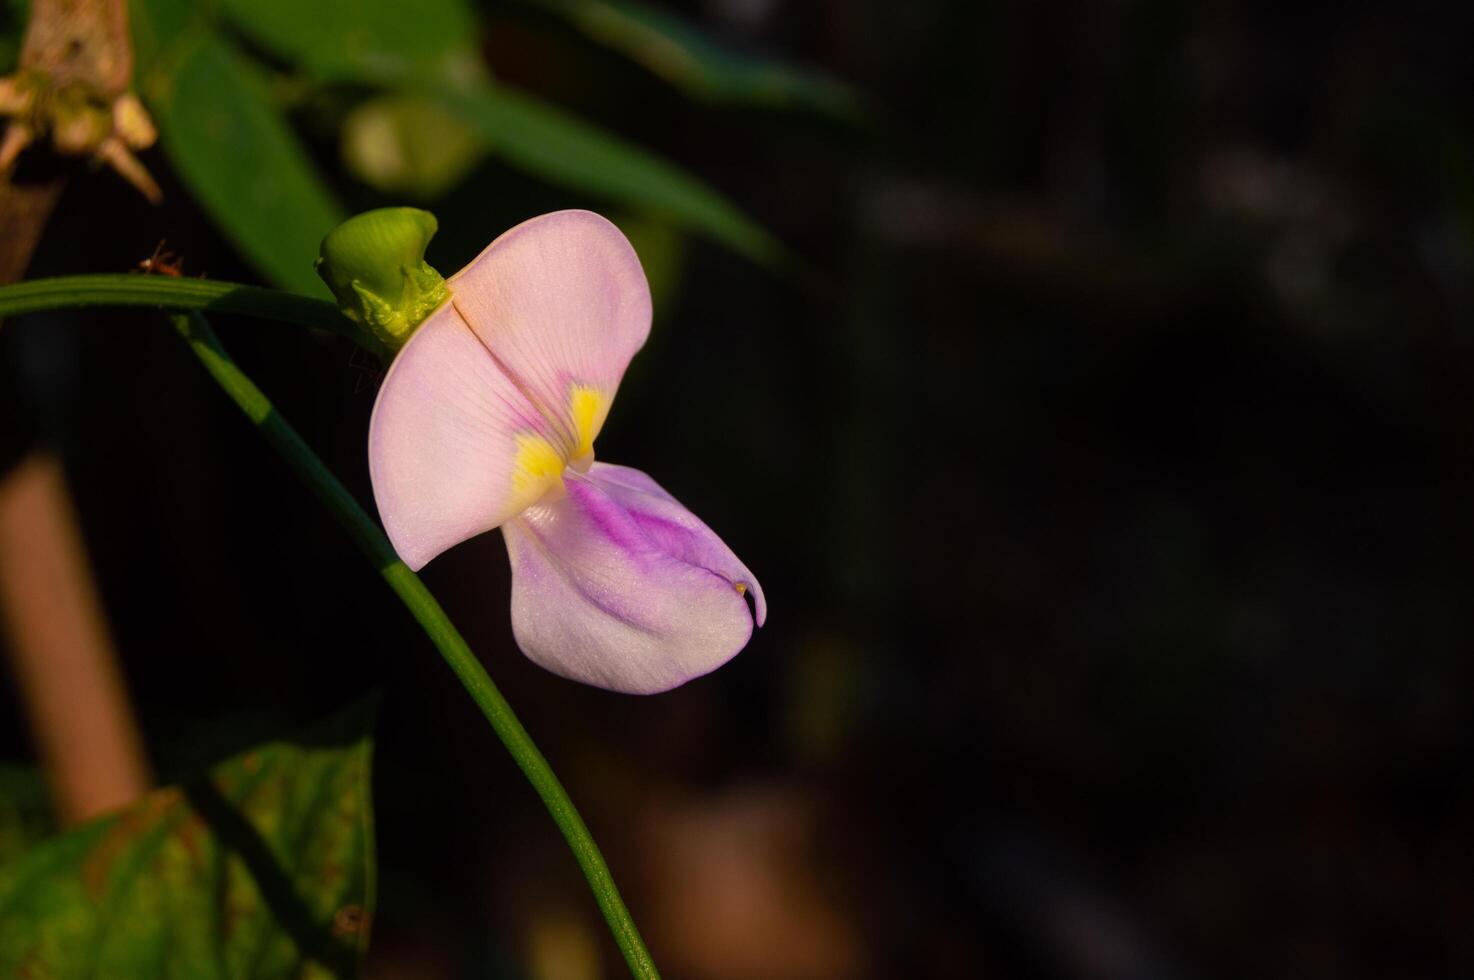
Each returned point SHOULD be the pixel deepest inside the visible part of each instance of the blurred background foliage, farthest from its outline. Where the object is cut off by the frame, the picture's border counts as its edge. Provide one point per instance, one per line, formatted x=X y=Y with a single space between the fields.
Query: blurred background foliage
x=1088 y=382
x=422 y=109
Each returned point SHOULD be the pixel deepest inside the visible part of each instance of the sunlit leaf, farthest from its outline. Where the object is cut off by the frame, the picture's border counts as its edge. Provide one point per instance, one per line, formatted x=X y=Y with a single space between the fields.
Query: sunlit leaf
x=686 y=57
x=241 y=160
x=563 y=149
x=366 y=40
x=264 y=869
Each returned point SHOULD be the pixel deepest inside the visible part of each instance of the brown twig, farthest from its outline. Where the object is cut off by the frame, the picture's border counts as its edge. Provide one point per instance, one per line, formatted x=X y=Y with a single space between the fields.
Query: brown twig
x=62 y=656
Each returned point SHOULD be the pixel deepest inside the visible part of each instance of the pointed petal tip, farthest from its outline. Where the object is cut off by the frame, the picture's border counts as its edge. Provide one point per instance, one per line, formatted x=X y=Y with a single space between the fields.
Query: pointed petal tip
x=750 y=586
x=414 y=562
x=407 y=547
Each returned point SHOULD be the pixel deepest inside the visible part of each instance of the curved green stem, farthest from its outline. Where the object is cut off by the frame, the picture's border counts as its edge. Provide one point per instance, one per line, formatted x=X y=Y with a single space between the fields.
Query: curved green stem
x=178 y=293
x=447 y=639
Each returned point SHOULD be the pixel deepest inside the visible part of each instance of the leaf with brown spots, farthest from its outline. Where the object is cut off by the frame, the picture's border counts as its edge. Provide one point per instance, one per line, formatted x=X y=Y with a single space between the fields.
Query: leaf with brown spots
x=263 y=868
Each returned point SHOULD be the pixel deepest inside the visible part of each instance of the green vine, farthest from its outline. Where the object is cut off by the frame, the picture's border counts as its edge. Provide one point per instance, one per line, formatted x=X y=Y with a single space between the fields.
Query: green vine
x=180 y=293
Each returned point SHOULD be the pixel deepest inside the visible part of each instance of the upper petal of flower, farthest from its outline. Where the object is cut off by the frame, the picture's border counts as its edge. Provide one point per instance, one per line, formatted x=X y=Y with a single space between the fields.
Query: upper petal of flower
x=617 y=585
x=562 y=304
x=504 y=385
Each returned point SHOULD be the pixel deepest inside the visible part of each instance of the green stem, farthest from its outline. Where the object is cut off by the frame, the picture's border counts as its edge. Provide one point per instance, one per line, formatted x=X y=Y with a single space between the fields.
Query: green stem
x=412 y=592
x=178 y=293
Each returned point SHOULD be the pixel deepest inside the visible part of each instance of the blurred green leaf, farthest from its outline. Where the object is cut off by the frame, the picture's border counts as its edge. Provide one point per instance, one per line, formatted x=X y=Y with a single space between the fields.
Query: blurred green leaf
x=367 y=40
x=662 y=251
x=244 y=164
x=263 y=869
x=565 y=150
x=162 y=30
x=25 y=810
x=241 y=160
x=406 y=144
x=686 y=57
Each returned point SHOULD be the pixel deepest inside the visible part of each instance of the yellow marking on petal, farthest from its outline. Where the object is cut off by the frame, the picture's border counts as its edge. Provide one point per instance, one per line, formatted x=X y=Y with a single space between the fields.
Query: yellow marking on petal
x=588 y=407
x=741 y=588
x=539 y=465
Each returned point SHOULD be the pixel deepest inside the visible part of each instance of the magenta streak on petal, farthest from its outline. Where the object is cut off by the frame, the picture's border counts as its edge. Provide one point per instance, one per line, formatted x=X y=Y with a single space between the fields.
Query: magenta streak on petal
x=609 y=528
x=603 y=600
x=603 y=596
x=625 y=530
x=675 y=540
x=674 y=529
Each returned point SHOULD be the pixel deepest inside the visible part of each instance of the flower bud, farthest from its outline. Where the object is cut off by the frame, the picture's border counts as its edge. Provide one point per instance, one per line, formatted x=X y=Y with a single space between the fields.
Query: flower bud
x=375 y=265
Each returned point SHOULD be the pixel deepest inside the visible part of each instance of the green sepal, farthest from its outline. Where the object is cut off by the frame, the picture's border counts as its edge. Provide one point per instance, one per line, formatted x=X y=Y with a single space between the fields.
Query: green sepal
x=375 y=265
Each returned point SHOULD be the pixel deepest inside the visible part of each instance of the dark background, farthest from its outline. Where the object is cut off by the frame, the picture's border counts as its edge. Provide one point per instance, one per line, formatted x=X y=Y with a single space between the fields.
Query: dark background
x=1107 y=467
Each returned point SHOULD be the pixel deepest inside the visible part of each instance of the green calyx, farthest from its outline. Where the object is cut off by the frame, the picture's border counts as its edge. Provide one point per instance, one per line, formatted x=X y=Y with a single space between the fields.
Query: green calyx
x=375 y=265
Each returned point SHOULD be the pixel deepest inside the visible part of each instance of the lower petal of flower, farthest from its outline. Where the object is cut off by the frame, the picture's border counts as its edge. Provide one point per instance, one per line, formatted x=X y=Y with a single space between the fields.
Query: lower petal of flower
x=617 y=585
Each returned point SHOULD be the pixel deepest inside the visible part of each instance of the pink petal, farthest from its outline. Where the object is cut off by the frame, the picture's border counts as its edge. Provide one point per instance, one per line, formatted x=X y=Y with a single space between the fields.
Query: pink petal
x=619 y=586
x=444 y=441
x=563 y=304
x=506 y=383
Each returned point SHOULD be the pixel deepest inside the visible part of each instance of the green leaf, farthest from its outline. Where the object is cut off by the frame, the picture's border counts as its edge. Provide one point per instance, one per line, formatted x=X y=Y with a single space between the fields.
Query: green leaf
x=683 y=55
x=232 y=147
x=262 y=869
x=565 y=150
x=365 y=40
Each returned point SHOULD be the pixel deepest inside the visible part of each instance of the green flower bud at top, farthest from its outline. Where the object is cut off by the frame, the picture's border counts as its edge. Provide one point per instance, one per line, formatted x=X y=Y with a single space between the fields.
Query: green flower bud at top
x=375 y=265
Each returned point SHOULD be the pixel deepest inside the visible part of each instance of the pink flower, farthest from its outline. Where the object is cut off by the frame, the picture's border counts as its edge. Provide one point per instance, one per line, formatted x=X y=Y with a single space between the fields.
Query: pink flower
x=487 y=418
